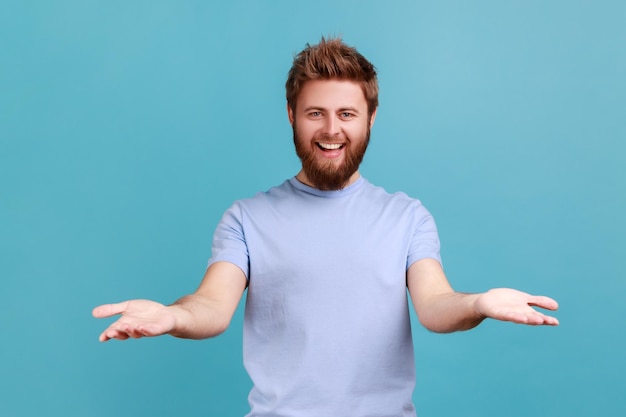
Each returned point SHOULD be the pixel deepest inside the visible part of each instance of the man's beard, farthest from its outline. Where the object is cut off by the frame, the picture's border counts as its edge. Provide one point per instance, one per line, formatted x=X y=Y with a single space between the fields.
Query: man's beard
x=326 y=175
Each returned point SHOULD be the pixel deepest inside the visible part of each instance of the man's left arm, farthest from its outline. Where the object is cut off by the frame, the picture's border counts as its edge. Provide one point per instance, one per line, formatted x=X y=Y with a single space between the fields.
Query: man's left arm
x=443 y=310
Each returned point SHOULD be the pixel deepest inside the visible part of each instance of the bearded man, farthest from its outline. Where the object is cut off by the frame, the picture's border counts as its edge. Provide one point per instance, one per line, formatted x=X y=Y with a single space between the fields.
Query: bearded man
x=327 y=259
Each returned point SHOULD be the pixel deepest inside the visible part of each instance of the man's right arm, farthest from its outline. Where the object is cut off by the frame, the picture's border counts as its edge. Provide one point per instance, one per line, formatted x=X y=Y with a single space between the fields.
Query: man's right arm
x=205 y=313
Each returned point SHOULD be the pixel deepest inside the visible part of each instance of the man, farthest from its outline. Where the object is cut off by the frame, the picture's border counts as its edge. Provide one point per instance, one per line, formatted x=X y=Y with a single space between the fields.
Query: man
x=327 y=259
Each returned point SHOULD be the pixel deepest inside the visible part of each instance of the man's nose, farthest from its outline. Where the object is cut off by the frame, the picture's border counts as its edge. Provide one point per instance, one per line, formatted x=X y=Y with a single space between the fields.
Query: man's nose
x=332 y=126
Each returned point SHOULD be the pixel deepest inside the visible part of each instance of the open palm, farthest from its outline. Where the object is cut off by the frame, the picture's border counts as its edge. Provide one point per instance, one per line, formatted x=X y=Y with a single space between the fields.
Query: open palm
x=140 y=318
x=516 y=306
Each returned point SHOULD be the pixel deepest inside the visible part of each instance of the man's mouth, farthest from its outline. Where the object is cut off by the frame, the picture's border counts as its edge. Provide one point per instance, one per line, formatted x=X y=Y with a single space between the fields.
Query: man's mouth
x=329 y=146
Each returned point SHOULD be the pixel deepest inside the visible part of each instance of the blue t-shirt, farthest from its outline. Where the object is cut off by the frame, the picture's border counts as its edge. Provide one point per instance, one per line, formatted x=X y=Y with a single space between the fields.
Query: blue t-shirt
x=326 y=330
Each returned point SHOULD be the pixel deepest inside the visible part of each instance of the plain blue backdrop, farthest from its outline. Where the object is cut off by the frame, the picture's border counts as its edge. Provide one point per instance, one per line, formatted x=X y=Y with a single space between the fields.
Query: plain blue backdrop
x=127 y=128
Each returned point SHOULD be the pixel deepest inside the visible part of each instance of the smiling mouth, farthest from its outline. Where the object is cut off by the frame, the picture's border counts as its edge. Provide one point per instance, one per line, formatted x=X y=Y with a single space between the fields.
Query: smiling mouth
x=329 y=146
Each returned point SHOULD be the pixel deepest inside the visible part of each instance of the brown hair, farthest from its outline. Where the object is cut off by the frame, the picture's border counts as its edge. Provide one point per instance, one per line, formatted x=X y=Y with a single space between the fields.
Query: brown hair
x=332 y=59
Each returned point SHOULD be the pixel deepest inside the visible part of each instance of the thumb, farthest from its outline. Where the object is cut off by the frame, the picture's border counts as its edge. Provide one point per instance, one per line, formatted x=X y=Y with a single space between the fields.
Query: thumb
x=108 y=310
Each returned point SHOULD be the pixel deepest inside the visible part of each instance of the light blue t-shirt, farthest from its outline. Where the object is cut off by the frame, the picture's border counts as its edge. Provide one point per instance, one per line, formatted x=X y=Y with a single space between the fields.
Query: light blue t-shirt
x=326 y=330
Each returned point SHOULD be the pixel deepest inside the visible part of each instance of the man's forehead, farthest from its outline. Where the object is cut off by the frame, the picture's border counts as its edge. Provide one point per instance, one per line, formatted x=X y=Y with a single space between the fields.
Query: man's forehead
x=338 y=93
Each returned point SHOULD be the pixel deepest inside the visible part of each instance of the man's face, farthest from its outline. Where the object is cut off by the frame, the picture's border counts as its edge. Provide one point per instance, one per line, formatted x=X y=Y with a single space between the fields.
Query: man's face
x=331 y=129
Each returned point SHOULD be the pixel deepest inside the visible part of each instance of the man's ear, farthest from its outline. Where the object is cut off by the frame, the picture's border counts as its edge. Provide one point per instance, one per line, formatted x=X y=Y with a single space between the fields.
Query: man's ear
x=290 y=114
x=373 y=117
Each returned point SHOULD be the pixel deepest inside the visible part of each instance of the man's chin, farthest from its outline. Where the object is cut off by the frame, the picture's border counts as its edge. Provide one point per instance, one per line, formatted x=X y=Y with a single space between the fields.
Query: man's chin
x=328 y=180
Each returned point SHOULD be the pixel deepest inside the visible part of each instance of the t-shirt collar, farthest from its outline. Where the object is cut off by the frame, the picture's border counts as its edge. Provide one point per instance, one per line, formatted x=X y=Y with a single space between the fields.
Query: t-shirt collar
x=328 y=194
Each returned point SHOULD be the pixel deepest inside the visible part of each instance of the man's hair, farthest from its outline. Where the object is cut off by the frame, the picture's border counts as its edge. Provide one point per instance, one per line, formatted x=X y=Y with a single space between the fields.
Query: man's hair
x=331 y=59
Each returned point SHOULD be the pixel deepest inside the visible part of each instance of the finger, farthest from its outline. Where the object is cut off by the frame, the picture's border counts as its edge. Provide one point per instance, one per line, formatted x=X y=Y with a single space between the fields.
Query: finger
x=109 y=334
x=543 y=302
x=550 y=321
x=132 y=331
x=536 y=318
x=529 y=317
x=119 y=330
x=108 y=310
x=513 y=316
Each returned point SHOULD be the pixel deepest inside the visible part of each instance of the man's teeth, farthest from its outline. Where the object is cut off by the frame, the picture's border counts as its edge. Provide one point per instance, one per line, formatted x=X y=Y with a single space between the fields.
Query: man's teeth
x=330 y=146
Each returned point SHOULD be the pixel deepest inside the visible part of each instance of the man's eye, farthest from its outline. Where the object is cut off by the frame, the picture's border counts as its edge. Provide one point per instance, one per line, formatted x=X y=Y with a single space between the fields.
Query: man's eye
x=346 y=115
x=315 y=114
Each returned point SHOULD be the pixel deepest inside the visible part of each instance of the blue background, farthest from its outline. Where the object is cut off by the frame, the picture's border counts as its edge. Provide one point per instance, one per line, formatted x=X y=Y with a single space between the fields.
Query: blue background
x=127 y=128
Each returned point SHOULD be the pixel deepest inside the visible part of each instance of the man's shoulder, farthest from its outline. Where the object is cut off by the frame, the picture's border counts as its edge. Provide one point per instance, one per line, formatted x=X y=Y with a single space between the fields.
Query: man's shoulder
x=270 y=196
x=380 y=193
x=277 y=191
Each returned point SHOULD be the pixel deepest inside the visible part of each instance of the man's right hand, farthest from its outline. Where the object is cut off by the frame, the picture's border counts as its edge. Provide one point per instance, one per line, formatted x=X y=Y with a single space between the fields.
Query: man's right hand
x=205 y=313
x=140 y=318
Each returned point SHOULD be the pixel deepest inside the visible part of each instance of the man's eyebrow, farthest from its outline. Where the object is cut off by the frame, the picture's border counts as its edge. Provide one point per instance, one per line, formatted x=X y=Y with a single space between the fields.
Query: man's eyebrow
x=349 y=109
x=340 y=110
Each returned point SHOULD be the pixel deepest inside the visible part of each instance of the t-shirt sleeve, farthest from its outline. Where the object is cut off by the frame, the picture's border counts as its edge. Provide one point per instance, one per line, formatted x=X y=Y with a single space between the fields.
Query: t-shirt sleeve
x=229 y=242
x=425 y=240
